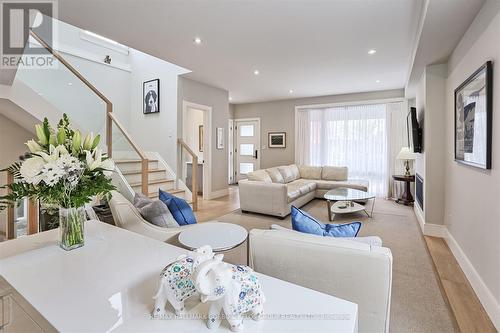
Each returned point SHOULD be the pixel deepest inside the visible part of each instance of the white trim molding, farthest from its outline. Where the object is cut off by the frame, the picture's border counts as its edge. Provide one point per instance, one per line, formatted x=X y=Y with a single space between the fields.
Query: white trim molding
x=217 y=194
x=207 y=123
x=489 y=302
x=484 y=294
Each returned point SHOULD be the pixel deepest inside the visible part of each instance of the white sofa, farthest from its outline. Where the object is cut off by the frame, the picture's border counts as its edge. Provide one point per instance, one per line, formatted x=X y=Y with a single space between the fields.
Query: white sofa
x=273 y=191
x=126 y=216
x=347 y=269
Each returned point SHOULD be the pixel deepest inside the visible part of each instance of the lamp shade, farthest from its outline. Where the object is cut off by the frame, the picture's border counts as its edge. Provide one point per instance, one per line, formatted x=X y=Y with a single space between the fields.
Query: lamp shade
x=406 y=154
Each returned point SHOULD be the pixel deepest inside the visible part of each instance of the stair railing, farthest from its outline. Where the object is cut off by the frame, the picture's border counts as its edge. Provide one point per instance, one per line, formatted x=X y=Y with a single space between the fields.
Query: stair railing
x=194 y=174
x=110 y=117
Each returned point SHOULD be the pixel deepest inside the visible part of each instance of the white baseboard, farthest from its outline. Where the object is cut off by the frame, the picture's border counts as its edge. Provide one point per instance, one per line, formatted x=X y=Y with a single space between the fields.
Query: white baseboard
x=485 y=296
x=216 y=194
x=420 y=217
x=435 y=230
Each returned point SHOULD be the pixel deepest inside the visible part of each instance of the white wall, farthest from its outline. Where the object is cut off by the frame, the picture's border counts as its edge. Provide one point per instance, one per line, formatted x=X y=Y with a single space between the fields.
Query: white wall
x=194 y=119
x=156 y=131
x=12 y=139
x=472 y=210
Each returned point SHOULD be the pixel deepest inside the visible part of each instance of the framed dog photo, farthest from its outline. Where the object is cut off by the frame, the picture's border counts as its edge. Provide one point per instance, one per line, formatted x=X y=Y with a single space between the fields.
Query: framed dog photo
x=473 y=111
x=277 y=140
x=151 y=96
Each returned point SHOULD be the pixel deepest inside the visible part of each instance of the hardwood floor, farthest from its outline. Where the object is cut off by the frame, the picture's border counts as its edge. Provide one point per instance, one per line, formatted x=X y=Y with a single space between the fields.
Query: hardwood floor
x=465 y=306
x=211 y=209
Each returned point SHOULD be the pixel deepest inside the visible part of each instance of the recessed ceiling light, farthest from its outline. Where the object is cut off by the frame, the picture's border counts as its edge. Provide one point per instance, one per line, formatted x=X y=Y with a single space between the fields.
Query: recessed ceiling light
x=256 y=72
x=290 y=91
x=378 y=81
x=372 y=51
x=230 y=98
x=40 y=94
x=70 y=83
x=197 y=40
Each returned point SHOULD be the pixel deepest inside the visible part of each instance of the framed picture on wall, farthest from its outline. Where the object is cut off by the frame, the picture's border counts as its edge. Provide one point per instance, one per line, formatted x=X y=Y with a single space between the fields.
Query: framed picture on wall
x=220 y=137
x=277 y=140
x=151 y=96
x=473 y=111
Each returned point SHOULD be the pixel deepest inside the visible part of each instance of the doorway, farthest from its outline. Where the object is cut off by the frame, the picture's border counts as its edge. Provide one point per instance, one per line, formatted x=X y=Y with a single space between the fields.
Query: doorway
x=247 y=146
x=196 y=132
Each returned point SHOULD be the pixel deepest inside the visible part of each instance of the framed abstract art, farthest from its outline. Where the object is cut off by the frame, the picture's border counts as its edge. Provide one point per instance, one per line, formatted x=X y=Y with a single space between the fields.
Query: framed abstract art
x=473 y=112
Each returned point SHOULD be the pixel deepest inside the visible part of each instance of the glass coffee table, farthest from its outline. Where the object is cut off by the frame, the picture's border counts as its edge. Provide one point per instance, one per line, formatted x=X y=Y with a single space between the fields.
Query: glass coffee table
x=344 y=200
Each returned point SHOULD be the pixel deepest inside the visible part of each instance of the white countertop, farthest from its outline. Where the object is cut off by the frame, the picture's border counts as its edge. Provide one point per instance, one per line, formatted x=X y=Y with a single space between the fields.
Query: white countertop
x=108 y=285
x=220 y=236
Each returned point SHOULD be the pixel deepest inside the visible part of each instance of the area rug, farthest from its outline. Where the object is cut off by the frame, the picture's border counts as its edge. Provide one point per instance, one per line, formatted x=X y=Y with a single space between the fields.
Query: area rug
x=417 y=303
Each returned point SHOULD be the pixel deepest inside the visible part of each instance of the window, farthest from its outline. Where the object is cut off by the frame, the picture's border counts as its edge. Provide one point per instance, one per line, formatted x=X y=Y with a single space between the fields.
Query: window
x=353 y=136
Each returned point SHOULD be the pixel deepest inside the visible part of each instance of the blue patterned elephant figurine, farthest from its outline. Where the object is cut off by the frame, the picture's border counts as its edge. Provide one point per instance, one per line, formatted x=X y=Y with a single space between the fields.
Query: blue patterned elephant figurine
x=176 y=284
x=233 y=288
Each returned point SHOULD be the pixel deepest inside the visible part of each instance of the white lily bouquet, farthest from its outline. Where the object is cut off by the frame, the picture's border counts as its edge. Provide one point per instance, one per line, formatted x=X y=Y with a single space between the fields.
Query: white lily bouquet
x=63 y=169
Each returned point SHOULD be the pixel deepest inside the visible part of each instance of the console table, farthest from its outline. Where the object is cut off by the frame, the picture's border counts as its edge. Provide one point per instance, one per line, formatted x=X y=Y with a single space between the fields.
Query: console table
x=108 y=284
x=407 y=198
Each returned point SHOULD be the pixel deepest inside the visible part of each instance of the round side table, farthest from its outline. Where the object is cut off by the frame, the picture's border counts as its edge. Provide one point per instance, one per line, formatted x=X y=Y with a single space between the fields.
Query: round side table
x=406 y=198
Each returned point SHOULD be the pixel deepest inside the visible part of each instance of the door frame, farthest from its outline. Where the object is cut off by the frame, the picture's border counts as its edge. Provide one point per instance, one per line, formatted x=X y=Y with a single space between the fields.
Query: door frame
x=230 y=154
x=235 y=138
x=207 y=142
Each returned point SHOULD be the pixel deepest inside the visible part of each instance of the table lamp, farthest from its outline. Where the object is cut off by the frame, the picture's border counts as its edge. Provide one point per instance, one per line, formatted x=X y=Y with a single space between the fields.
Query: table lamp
x=407 y=155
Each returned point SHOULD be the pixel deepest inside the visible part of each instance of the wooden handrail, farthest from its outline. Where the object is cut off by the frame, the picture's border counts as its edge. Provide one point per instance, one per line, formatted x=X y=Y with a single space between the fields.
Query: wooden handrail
x=110 y=118
x=194 y=173
x=109 y=105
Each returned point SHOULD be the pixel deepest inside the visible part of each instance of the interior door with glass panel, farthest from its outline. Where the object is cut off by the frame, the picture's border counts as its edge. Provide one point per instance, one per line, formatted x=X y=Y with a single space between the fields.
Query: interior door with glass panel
x=247 y=146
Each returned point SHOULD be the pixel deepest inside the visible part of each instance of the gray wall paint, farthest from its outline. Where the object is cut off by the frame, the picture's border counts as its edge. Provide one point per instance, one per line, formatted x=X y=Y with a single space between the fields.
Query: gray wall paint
x=472 y=213
x=279 y=116
x=199 y=93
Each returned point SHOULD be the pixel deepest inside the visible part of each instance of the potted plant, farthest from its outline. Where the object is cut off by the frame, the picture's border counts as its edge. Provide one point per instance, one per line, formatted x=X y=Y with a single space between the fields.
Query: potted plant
x=66 y=170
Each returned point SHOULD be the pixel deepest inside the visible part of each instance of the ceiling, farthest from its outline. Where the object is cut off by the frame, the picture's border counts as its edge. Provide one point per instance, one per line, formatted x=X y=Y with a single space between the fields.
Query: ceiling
x=314 y=47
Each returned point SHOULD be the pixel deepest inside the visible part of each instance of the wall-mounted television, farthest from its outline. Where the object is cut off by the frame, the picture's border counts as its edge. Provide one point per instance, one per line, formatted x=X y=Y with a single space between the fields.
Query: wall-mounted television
x=414 y=131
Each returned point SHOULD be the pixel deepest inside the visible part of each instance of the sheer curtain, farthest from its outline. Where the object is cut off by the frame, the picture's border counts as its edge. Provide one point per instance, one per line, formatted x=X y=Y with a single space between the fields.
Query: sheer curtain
x=356 y=136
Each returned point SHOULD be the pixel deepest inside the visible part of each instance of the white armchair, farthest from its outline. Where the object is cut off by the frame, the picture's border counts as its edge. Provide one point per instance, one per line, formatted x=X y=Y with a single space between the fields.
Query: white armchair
x=126 y=216
x=351 y=270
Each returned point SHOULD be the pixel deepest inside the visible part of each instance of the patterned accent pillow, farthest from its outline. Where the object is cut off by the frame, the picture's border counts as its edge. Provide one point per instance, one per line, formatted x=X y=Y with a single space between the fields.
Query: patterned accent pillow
x=275 y=175
x=155 y=212
x=303 y=222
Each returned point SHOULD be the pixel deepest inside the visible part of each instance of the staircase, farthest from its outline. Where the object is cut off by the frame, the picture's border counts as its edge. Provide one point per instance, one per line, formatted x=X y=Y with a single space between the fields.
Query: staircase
x=158 y=177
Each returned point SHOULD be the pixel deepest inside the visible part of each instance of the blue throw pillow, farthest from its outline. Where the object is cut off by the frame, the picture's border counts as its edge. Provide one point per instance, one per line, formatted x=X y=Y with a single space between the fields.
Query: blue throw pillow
x=179 y=208
x=303 y=222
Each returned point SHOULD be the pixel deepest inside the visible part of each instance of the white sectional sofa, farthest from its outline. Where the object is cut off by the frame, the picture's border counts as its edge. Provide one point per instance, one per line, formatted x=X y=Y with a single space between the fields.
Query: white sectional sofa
x=273 y=191
x=352 y=270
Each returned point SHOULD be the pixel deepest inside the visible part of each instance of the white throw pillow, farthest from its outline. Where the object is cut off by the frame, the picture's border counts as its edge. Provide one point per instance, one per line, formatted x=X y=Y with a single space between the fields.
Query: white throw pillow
x=260 y=176
x=275 y=175
x=334 y=173
x=295 y=171
x=310 y=172
x=287 y=173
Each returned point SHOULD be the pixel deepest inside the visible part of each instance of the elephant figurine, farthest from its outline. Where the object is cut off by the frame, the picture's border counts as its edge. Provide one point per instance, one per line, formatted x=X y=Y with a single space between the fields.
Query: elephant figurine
x=176 y=284
x=233 y=288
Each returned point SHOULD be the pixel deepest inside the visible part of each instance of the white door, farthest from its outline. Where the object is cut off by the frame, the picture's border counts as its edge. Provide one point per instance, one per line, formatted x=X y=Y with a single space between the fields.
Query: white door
x=247 y=148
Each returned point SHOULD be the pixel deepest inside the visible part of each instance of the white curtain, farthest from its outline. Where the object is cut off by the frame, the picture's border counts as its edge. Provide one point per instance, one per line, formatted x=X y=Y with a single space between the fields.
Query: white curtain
x=397 y=137
x=355 y=136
